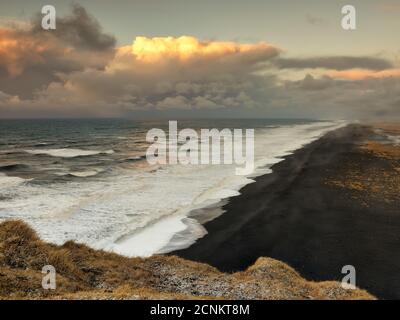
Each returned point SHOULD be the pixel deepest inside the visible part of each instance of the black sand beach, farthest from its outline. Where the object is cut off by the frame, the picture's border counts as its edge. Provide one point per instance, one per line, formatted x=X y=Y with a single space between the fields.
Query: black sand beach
x=313 y=214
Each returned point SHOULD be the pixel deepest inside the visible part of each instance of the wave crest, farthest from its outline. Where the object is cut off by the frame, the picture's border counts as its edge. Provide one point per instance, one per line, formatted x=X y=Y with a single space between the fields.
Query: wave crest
x=68 y=153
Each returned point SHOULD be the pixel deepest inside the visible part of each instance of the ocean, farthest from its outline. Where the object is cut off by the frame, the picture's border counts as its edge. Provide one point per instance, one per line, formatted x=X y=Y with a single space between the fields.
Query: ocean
x=89 y=180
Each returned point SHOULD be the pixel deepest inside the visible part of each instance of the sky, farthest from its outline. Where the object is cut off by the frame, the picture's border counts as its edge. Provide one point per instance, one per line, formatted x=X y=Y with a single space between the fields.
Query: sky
x=190 y=58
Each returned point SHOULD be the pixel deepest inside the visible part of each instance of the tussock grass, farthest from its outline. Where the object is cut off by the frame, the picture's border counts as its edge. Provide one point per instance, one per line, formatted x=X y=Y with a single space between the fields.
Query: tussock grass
x=85 y=273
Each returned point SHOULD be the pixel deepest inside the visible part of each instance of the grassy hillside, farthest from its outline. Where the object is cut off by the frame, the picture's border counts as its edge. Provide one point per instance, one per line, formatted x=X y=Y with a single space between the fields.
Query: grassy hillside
x=84 y=273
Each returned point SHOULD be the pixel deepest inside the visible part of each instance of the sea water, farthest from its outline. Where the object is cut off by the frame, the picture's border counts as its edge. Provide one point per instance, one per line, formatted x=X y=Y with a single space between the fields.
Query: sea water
x=89 y=181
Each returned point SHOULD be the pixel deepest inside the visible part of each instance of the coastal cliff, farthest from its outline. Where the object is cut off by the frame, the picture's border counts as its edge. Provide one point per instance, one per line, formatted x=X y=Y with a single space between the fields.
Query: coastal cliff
x=358 y=170
x=85 y=273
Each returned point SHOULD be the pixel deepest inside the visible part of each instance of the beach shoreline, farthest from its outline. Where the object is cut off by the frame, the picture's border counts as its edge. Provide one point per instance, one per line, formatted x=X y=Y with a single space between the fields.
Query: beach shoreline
x=250 y=251
x=314 y=213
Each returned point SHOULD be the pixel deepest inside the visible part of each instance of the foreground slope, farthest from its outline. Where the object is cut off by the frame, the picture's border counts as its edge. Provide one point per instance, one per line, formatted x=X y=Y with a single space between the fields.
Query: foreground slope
x=85 y=273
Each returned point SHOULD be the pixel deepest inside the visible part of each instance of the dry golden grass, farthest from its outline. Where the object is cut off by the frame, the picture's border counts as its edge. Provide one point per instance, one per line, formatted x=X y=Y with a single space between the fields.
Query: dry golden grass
x=379 y=181
x=389 y=151
x=85 y=273
x=389 y=127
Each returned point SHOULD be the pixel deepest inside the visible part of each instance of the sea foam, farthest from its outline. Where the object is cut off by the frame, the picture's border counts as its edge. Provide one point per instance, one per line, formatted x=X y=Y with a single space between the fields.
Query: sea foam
x=67 y=153
x=138 y=212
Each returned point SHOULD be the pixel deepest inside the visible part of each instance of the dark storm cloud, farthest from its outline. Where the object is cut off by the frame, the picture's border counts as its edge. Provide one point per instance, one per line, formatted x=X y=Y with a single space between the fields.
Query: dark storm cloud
x=370 y=98
x=31 y=58
x=334 y=63
x=80 y=30
x=311 y=83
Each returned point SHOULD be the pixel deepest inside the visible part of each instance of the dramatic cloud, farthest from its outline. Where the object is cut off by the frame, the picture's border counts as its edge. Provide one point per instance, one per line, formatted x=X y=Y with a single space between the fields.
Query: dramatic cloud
x=79 y=29
x=335 y=63
x=360 y=74
x=76 y=70
x=310 y=83
x=166 y=73
x=31 y=58
x=188 y=49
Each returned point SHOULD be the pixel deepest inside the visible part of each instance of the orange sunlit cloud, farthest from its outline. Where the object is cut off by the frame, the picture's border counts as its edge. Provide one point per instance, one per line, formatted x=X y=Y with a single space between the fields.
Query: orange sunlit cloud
x=24 y=47
x=184 y=48
x=17 y=50
x=362 y=74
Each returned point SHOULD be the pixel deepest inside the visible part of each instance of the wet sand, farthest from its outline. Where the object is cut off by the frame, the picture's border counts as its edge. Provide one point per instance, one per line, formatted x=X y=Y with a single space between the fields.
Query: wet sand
x=332 y=203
